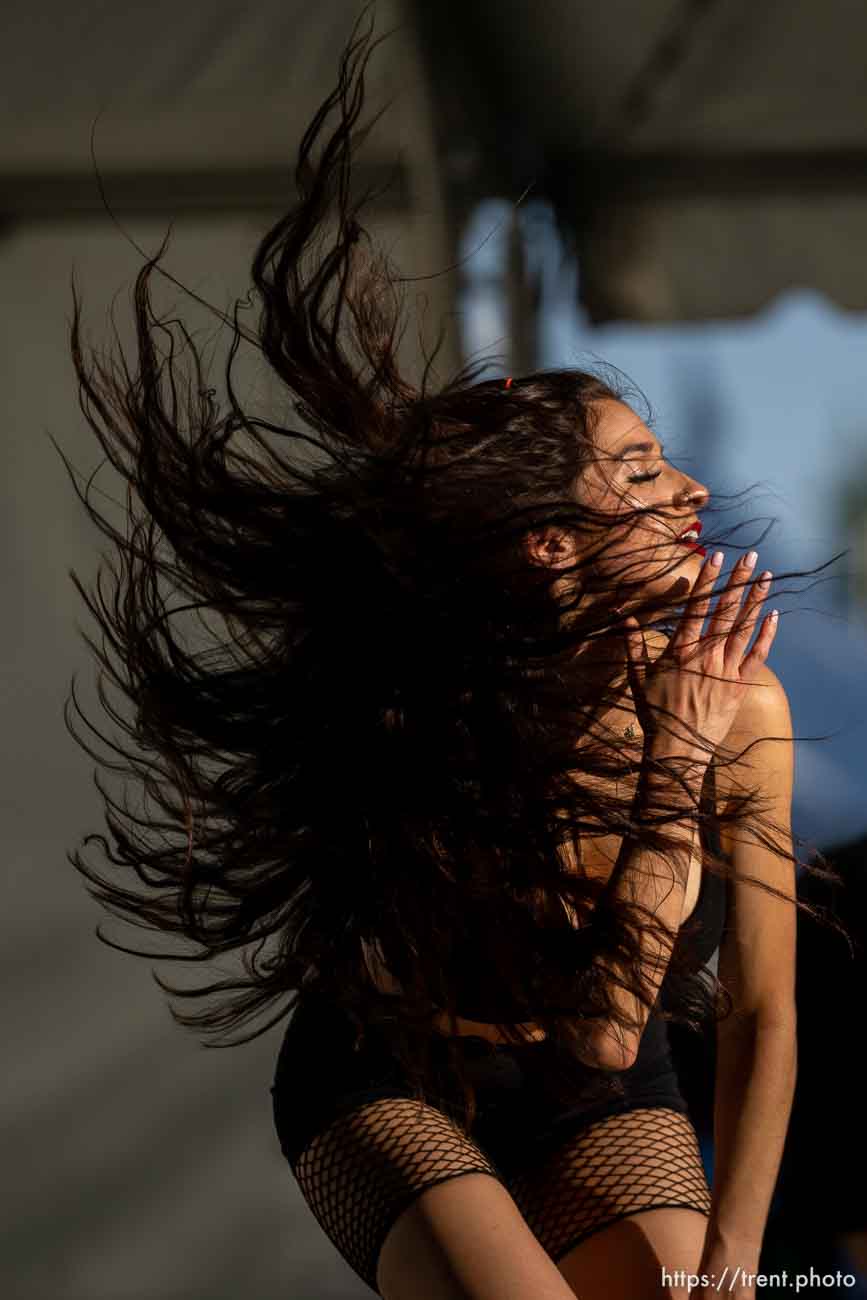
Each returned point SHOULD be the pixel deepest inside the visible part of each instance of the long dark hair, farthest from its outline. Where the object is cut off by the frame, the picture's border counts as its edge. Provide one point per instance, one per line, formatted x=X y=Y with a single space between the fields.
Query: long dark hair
x=386 y=745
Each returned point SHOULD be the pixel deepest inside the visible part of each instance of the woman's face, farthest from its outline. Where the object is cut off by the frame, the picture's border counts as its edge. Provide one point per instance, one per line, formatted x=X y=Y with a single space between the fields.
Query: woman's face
x=623 y=478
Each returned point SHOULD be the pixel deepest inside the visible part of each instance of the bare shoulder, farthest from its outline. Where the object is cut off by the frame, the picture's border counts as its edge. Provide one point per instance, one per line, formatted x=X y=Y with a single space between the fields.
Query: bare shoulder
x=764 y=713
x=761 y=734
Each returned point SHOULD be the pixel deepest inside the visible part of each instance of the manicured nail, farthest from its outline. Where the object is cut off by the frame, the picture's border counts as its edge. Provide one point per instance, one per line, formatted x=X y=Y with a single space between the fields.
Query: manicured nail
x=716 y=559
x=765 y=579
x=750 y=560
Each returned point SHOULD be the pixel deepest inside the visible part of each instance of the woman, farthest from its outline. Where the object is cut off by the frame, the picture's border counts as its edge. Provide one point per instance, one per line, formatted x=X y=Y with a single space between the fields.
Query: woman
x=465 y=753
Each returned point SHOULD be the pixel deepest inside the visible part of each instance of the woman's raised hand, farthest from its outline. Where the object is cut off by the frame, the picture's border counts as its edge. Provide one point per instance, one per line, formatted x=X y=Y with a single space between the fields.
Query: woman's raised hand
x=701 y=680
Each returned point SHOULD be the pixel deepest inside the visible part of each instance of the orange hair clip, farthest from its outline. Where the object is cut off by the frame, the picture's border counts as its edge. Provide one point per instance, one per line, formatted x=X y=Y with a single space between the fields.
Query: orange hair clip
x=509 y=382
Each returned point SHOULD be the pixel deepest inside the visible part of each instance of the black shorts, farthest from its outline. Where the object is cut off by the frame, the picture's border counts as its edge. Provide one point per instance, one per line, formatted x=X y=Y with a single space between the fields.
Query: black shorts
x=362 y=1148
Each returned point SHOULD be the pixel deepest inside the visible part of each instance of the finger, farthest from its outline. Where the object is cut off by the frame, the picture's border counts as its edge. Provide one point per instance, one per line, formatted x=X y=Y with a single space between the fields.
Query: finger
x=752 y=662
x=738 y=638
x=729 y=604
x=689 y=627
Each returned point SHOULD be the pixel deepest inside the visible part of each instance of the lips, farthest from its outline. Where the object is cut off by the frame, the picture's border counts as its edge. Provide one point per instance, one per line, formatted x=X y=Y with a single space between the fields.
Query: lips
x=694 y=527
x=692 y=543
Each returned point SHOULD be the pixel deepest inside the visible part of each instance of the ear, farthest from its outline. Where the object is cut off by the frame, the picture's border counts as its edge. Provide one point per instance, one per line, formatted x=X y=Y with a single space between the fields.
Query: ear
x=552 y=546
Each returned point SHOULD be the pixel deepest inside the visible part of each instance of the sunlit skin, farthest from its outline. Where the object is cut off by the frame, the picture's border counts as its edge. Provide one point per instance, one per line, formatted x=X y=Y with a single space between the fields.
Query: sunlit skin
x=621 y=480
x=644 y=548
x=618 y=482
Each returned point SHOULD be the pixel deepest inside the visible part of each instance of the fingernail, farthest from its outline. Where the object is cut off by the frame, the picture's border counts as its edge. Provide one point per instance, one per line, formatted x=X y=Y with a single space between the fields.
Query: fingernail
x=716 y=559
x=751 y=559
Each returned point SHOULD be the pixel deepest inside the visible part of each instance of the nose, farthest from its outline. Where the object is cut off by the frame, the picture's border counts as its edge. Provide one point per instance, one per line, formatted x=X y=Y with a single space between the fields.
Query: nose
x=692 y=493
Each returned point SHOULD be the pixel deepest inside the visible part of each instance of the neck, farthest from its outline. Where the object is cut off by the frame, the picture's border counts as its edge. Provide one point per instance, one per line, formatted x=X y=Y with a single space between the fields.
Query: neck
x=603 y=664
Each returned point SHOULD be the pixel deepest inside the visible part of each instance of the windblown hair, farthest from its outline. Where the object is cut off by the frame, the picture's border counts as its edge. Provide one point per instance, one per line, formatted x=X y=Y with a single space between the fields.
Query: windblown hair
x=389 y=746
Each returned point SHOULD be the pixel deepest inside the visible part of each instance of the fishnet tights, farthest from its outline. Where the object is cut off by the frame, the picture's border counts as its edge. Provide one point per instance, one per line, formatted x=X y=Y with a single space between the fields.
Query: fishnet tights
x=638 y=1160
x=370 y=1164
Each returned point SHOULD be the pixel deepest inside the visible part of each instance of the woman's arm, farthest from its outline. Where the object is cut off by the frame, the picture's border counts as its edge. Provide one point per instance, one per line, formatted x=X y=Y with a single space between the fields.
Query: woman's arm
x=755 y=1085
x=697 y=687
x=655 y=880
x=756 y=1046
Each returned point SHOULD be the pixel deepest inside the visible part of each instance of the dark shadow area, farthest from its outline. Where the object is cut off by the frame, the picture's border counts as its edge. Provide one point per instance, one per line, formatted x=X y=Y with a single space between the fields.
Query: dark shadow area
x=820 y=1203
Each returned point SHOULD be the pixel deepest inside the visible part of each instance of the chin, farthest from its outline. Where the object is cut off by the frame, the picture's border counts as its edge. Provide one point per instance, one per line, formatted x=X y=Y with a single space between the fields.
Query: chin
x=678 y=582
x=691 y=564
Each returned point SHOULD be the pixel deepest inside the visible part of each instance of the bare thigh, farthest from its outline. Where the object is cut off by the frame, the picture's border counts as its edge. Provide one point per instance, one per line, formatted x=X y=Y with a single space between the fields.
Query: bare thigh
x=625 y=1261
x=619 y=1202
x=465 y=1239
x=417 y=1209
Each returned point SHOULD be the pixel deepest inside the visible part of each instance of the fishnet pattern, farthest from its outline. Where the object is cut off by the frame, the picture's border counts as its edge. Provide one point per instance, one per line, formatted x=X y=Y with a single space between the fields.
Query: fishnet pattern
x=361 y=1173
x=640 y=1159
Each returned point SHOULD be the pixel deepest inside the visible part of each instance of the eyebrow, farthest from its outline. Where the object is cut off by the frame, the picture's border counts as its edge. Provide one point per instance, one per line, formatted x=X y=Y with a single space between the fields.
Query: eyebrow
x=637 y=446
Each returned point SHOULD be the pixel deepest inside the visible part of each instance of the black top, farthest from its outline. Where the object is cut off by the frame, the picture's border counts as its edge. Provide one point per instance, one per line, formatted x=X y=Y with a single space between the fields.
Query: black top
x=702 y=930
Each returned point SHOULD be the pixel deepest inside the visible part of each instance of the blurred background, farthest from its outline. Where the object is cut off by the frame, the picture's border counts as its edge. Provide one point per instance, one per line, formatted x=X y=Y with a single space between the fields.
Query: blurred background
x=675 y=187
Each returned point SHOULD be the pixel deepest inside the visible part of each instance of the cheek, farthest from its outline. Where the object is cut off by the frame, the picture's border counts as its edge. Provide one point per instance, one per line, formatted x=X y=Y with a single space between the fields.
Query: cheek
x=639 y=545
x=609 y=499
x=592 y=490
x=638 y=550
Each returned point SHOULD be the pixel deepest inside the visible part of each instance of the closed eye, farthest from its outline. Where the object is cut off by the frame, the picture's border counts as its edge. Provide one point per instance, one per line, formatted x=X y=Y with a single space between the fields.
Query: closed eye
x=644 y=478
